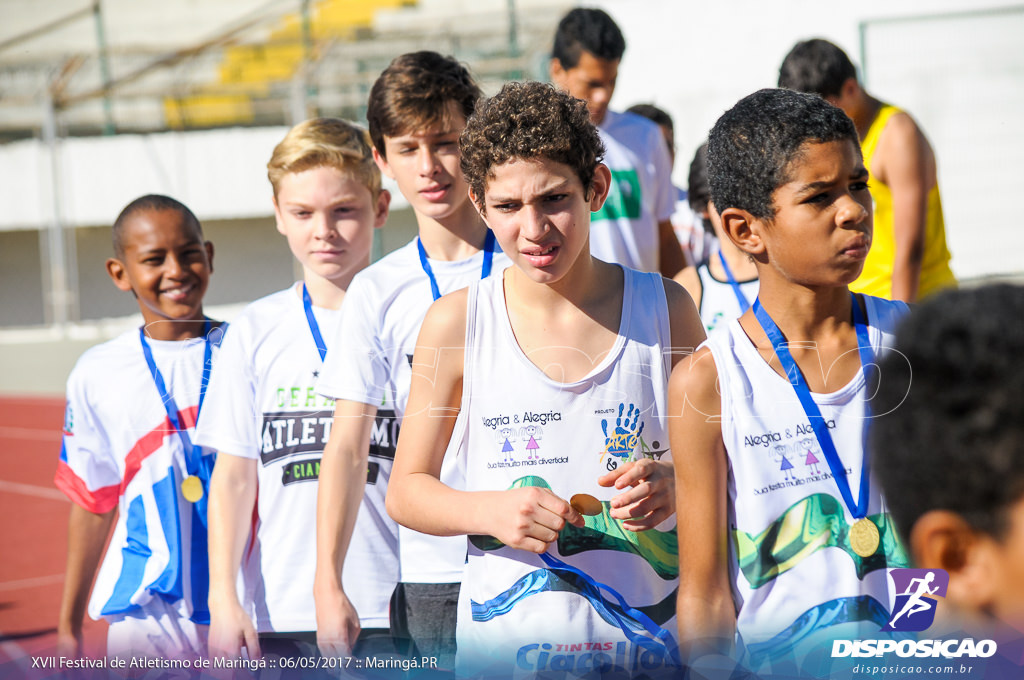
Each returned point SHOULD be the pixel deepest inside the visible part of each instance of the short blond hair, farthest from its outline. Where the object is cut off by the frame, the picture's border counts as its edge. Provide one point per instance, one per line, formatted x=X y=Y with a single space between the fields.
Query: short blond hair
x=325 y=142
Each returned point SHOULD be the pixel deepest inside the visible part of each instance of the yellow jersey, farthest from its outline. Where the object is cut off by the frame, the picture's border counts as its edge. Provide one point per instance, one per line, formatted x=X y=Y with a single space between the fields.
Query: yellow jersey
x=876 y=279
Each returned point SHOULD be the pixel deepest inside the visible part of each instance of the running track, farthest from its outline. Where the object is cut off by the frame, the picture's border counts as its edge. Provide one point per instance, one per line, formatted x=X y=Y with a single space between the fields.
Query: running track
x=33 y=535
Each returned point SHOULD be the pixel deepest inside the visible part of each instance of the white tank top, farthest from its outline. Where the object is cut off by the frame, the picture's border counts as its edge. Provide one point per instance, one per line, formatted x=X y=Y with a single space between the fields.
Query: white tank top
x=795 y=575
x=517 y=615
x=718 y=303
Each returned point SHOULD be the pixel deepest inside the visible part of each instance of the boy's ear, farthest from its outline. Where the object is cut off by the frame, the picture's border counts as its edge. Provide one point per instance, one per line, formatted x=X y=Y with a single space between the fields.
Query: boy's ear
x=209 y=253
x=557 y=72
x=382 y=164
x=599 y=187
x=383 y=206
x=743 y=229
x=118 y=274
x=941 y=539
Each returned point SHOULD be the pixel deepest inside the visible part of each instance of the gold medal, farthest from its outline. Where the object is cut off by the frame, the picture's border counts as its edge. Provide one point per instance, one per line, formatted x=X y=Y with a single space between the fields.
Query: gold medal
x=192 y=489
x=585 y=504
x=864 y=538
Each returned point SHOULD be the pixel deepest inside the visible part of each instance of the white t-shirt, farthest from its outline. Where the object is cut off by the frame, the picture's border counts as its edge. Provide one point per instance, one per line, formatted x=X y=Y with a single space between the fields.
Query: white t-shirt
x=519 y=616
x=121 y=451
x=804 y=581
x=381 y=318
x=262 y=404
x=718 y=302
x=625 y=229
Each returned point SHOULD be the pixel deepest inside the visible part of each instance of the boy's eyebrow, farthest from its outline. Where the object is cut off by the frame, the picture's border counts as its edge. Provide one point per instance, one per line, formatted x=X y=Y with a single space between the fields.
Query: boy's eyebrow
x=858 y=173
x=407 y=137
x=562 y=185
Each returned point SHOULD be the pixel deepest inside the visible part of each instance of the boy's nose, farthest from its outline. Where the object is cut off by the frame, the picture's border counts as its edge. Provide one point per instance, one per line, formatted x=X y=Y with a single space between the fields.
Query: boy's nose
x=533 y=224
x=852 y=211
x=428 y=162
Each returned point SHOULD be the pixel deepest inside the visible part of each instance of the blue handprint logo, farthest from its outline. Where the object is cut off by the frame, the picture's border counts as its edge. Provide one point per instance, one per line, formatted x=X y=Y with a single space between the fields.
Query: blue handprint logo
x=622 y=441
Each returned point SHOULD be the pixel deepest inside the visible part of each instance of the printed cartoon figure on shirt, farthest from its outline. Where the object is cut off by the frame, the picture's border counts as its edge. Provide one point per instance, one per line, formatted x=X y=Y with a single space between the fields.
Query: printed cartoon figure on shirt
x=785 y=466
x=506 y=436
x=807 y=447
x=622 y=441
x=531 y=433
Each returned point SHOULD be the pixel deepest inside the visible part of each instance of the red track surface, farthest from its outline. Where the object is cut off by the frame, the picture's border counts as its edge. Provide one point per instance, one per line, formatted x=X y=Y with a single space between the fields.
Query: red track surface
x=33 y=533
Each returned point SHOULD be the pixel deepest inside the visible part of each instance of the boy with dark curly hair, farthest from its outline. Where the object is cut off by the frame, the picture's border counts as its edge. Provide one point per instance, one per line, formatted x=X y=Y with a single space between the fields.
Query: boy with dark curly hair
x=788 y=541
x=551 y=381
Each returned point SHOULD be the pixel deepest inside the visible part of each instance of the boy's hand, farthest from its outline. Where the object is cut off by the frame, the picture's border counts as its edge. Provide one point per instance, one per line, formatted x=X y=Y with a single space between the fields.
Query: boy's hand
x=337 y=623
x=652 y=498
x=529 y=518
x=230 y=630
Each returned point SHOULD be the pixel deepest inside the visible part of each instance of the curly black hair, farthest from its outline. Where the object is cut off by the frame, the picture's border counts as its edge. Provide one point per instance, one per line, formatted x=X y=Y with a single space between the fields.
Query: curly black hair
x=951 y=436
x=752 y=147
x=529 y=120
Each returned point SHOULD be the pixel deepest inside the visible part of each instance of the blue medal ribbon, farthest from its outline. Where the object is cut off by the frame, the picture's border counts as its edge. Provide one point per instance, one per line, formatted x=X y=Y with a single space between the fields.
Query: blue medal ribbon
x=314 y=327
x=803 y=393
x=485 y=269
x=657 y=632
x=737 y=291
x=191 y=460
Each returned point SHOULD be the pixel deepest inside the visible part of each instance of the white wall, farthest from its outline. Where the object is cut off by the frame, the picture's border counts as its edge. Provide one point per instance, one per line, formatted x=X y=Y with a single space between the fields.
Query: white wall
x=696 y=59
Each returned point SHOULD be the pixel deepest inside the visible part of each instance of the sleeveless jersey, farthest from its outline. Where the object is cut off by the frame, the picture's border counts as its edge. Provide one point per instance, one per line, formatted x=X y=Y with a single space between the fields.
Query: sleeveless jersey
x=519 y=615
x=262 y=404
x=794 y=573
x=718 y=303
x=121 y=451
x=876 y=279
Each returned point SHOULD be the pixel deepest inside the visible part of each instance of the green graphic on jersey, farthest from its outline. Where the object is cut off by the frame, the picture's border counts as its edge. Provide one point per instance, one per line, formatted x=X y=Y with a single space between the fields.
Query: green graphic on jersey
x=601 y=532
x=809 y=525
x=624 y=197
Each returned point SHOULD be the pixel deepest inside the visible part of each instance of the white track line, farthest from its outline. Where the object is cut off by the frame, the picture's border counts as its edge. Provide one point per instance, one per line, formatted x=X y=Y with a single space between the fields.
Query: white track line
x=32 y=490
x=32 y=582
x=44 y=434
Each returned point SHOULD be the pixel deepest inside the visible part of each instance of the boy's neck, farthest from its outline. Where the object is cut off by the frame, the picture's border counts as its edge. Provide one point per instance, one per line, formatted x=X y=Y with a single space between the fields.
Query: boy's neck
x=865 y=114
x=586 y=282
x=327 y=293
x=456 y=237
x=175 y=330
x=804 y=313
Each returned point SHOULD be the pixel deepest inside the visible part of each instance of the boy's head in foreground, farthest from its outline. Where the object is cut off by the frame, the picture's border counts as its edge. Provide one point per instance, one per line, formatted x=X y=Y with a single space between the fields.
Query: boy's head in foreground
x=787 y=177
x=417 y=109
x=532 y=160
x=327 y=196
x=949 y=447
x=161 y=257
x=585 y=58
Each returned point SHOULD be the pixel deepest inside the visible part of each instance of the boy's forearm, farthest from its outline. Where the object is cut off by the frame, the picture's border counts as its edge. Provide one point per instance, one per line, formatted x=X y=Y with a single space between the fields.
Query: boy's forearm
x=422 y=502
x=87 y=534
x=342 y=484
x=232 y=495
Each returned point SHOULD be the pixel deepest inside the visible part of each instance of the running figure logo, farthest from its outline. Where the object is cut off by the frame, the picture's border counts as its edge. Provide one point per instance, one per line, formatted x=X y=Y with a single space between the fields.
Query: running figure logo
x=916 y=590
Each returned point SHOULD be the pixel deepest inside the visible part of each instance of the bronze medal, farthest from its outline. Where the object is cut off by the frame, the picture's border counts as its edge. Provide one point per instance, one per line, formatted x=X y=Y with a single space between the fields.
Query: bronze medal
x=864 y=538
x=585 y=504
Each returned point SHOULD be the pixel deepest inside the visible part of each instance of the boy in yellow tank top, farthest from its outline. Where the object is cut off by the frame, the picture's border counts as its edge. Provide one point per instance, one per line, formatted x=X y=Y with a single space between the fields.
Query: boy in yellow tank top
x=909 y=259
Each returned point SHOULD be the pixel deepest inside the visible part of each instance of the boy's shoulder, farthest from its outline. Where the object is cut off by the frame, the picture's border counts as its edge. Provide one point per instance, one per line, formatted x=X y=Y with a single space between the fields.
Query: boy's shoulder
x=261 y=310
x=100 y=359
x=624 y=125
x=388 y=275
